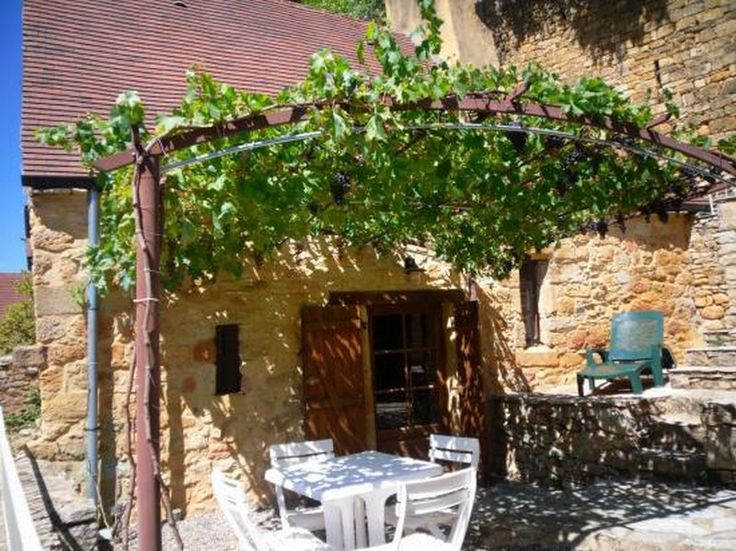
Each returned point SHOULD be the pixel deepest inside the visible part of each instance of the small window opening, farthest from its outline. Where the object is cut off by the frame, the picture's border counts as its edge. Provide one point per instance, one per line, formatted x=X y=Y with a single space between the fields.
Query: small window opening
x=228 y=377
x=531 y=277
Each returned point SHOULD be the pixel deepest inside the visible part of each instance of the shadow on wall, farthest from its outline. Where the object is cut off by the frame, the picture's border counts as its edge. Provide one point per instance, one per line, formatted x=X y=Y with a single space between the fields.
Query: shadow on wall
x=502 y=372
x=200 y=430
x=602 y=27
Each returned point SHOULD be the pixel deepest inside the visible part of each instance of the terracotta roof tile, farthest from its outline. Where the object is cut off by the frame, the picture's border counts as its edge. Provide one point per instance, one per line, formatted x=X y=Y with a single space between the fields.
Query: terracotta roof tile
x=8 y=294
x=78 y=55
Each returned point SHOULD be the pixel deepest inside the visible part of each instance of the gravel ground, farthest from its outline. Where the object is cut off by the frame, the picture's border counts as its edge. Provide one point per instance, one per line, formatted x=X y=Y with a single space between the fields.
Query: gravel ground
x=209 y=531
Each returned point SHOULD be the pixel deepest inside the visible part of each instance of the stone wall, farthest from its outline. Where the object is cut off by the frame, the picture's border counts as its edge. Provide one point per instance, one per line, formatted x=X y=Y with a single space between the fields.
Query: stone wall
x=568 y=441
x=202 y=431
x=464 y=36
x=589 y=279
x=670 y=266
x=18 y=375
x=720 y=444
x=199 y=429
x=63 y=519
x=58 y=240
x=684 y=45
x=684 y=267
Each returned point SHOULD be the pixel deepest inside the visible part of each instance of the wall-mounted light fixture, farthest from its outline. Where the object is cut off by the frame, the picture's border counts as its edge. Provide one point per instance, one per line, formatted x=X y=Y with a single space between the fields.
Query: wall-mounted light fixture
x=410 y=265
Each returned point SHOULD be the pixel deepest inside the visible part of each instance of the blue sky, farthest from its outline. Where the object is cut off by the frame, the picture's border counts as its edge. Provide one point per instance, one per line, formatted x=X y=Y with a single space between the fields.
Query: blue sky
x=12 y=247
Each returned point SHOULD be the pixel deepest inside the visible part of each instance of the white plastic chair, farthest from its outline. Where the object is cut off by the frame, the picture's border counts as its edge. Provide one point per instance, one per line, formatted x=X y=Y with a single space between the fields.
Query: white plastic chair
x=285 y=455
x=454 y=449
x=231 y=499
x=454 y=491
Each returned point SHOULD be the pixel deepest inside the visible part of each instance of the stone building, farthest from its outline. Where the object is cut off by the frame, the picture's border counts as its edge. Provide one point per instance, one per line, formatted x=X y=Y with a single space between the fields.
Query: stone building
x=246 y=362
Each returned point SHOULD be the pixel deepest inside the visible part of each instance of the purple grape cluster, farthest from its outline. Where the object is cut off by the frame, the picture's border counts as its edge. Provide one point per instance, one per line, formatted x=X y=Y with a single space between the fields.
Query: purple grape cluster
x=553 y=143
x=601 y=226
x=340 y=188
x=576 y=155
x=517 y=139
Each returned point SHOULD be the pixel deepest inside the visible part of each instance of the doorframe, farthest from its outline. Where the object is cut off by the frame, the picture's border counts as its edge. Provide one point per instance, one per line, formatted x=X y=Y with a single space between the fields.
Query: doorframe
x=398 y=301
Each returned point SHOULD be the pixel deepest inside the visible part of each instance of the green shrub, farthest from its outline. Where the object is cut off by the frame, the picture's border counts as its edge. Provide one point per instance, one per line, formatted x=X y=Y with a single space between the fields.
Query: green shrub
x=360 y=9
x=27 y=417
x=18 y=325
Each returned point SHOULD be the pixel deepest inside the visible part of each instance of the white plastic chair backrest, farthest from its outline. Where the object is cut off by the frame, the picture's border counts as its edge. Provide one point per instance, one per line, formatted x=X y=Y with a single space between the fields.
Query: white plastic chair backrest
x=231 y=499
x=458 y=449
x=285 y=455
x=454 y=490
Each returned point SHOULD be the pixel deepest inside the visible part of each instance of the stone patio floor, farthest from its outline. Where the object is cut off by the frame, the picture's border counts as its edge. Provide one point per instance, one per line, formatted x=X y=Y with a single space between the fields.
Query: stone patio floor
x=616 y=515
x=608 y=515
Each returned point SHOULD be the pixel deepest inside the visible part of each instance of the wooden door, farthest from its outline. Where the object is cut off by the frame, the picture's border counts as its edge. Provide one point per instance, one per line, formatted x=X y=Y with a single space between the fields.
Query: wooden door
x=471 y=395
x=334 y=394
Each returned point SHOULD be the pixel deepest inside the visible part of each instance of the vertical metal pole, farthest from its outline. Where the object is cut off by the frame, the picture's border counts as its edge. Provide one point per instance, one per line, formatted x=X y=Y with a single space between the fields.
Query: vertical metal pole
x=93 y=198
x=147 y=356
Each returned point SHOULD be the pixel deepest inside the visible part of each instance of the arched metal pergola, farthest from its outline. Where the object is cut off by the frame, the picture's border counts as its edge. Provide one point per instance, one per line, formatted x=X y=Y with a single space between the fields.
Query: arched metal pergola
x=150 y=220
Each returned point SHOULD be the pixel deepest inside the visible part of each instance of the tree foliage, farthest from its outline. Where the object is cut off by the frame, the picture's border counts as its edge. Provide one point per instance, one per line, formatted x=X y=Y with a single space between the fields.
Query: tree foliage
x=480 y=199
x=18 y=325
x=360 y=9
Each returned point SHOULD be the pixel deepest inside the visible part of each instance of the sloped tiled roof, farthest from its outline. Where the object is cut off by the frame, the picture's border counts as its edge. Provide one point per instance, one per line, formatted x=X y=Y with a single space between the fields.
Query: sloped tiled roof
x=78 y=55
x=8 y=294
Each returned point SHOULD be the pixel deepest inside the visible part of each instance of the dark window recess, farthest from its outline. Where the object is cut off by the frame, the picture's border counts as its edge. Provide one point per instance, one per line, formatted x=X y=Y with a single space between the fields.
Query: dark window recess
x=228 y=377
x=531 y=276
x=404 y=370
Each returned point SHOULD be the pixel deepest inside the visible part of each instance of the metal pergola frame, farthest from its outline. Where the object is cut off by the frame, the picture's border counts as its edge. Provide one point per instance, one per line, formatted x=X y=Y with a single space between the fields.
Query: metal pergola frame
x=148 y=208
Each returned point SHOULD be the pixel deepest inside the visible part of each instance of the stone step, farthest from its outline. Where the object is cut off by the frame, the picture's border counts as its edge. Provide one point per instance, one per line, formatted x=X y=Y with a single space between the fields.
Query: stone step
x=721 y=356
x=671 y=464
x=710 y=377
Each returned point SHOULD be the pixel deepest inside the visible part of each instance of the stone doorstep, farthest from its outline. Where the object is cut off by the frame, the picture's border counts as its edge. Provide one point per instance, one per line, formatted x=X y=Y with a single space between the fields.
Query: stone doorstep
x=714 y=377
x=722 y=356
x=669 y=463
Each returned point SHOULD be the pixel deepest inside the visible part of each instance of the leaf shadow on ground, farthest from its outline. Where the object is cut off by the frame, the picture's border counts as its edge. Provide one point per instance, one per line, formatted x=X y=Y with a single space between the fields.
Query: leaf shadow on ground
x=518 y=516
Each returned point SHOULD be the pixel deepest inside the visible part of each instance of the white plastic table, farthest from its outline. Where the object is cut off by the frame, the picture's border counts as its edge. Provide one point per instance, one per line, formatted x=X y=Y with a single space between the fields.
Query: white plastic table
x=337 y=483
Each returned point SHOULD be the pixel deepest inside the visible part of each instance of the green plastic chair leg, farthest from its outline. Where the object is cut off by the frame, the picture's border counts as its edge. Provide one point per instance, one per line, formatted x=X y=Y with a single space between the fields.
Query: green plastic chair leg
x=635 y=380
x=658 y=376
x=591 y=383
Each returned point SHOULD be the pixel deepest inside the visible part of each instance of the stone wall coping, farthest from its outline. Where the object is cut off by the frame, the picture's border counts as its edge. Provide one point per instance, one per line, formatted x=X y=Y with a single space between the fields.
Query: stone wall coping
x=706 y=369
x=723 y=401
x=566 y=399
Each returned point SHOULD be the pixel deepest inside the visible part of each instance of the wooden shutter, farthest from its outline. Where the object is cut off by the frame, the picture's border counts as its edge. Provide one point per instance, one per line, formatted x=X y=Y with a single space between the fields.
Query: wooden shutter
x=472 y=397
x=334 y=394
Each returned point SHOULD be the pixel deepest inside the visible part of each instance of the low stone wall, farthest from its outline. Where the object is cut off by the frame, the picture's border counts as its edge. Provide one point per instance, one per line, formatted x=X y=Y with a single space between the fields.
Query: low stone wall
x=569 y=441
x=63 y=519
x=720 y=439
x=18 y=375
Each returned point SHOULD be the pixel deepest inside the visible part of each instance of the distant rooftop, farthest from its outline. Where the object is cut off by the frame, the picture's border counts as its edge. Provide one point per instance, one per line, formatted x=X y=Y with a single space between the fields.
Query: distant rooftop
x=8 y=294
x=79 y=55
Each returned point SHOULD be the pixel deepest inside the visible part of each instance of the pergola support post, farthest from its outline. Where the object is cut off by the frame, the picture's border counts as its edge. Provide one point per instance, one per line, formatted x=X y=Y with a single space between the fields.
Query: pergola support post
x=148 y=372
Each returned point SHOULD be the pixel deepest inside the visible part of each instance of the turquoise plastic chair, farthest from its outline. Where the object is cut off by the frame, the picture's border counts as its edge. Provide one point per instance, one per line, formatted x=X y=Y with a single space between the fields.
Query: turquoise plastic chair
x=636 y=348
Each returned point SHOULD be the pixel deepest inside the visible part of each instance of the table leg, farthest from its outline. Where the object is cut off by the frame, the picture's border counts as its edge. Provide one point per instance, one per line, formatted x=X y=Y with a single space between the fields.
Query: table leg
x=361 y=540
x=340 y=523
x=375 y=510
